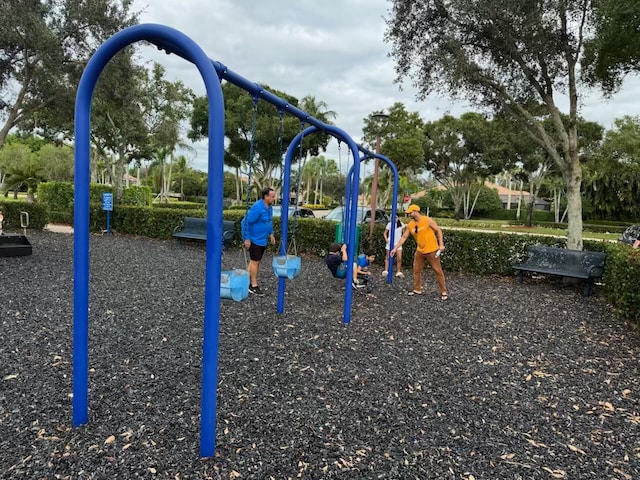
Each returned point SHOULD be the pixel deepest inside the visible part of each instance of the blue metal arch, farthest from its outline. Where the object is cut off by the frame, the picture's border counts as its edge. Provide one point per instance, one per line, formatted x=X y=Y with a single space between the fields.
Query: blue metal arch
x=352 y=218
x=193 y=53
x=394 y=204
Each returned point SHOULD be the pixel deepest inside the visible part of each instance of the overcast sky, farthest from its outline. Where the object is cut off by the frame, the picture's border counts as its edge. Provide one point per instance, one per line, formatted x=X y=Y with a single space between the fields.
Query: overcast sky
x=306 y=47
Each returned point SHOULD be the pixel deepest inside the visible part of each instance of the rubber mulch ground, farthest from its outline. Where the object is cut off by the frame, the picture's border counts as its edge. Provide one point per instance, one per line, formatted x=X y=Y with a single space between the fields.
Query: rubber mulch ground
x=503 y=381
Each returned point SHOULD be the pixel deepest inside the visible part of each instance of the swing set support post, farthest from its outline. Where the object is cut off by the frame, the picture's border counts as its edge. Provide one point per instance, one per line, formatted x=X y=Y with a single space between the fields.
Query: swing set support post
x=194 y=54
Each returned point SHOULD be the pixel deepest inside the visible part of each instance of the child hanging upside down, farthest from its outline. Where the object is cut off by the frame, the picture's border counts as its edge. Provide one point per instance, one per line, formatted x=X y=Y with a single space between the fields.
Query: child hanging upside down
x=336 y=260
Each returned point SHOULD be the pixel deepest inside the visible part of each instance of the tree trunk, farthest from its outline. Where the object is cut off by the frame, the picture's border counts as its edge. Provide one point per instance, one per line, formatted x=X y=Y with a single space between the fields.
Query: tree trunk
x=519 y=201
x=573 y=181
x=12 y=120
x=238 y=186
x=315 y=192
x=529 y=218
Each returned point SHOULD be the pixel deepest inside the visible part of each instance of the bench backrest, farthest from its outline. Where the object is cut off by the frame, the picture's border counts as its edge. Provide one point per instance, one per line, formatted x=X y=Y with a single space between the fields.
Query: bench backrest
x=562 y=258
x=195 y=225
x=198 y=226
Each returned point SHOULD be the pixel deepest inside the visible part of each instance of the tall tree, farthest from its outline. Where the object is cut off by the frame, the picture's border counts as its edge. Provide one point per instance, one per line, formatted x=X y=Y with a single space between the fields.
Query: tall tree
x=401 y=137
x=45 y=45
x=612 y=174
x=165 y=106
x=239 y=107
x=118 y=130
x=461 y=152
x=504 y=55
x=615 y=50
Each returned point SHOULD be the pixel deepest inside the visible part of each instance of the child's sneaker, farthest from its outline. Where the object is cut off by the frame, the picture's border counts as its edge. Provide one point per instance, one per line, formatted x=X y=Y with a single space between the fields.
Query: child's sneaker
x=400 y=275
x=384 y=274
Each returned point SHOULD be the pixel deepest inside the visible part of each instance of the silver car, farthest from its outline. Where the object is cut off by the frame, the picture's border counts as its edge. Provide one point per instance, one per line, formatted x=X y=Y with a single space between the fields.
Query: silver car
x=364 y=215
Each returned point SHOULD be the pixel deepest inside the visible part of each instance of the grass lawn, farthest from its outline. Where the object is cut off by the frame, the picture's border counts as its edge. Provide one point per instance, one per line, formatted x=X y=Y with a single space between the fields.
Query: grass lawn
x=502 y=226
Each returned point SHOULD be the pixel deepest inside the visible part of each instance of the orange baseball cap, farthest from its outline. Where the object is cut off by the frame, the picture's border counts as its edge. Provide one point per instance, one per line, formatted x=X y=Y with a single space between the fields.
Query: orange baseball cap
x=413 y=208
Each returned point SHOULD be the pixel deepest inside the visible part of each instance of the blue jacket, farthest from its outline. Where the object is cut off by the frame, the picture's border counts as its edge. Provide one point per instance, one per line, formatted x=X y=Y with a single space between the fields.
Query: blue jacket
x=257 y=225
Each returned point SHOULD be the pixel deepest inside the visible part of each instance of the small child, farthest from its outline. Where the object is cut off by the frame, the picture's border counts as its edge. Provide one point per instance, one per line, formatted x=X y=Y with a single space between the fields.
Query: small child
x=336 y=259
x=397 y=235
x=361 y=268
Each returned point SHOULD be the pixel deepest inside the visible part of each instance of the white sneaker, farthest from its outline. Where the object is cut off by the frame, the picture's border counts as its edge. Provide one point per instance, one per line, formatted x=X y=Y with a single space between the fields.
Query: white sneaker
x=384 y=274
x=400 y=275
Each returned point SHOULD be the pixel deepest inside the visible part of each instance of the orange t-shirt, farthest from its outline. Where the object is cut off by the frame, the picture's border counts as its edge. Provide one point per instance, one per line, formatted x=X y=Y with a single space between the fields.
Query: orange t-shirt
x=424 y=236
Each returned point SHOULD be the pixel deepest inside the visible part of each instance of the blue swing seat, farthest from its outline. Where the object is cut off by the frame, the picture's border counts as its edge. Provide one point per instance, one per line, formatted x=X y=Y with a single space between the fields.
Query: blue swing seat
x=287 y=266
x=234 y=284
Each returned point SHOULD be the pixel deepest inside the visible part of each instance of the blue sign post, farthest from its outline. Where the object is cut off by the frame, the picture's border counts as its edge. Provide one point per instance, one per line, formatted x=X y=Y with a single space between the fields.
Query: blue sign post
x=107 y=204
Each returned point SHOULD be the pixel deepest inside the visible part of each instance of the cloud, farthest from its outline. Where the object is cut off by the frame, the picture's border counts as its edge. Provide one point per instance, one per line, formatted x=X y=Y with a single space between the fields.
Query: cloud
x=304 y=47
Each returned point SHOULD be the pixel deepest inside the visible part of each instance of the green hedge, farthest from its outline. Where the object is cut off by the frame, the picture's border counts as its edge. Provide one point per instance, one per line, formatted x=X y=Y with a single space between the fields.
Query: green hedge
x=181 y=205
x=38 y=215
x=136 y=195
x=538 y=215
x=467 y=251
x=58 y=196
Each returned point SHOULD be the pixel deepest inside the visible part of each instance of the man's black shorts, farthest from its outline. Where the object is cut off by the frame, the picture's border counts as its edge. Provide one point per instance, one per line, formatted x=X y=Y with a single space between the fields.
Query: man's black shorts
x=256 y=252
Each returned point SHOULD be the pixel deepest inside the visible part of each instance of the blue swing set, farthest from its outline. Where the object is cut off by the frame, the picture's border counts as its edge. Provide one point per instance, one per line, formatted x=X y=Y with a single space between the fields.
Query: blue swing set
x=212 y=72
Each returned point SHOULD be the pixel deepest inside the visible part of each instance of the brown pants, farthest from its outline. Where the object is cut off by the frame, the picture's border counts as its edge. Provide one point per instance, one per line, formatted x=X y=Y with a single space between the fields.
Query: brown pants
x=418 y=266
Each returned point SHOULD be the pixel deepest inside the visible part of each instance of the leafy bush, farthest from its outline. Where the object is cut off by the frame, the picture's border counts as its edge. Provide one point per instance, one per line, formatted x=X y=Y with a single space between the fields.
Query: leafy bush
x=181 y=205
x=621 y=280
x=58 y=196
x=135 y=195
x=96 y=190
x=315 y=206
x=38 y=215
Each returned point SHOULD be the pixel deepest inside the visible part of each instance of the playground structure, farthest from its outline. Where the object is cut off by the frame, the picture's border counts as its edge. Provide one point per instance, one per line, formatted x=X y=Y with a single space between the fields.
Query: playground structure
x=212 y=72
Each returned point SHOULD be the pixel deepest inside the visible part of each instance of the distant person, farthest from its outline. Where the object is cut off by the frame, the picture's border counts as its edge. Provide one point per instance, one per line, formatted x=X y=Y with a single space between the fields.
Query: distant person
x=257 y=229
x=406 y=200
x=397 y=235
x=430 y=243
x=336 y=260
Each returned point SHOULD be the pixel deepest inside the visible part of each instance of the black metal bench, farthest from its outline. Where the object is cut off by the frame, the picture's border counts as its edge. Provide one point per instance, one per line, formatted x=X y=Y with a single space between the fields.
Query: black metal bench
x=566 y=263
x=195 y=228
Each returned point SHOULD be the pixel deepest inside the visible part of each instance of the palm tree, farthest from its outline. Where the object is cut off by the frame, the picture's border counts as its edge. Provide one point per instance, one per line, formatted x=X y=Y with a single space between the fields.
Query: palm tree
x=24 y=174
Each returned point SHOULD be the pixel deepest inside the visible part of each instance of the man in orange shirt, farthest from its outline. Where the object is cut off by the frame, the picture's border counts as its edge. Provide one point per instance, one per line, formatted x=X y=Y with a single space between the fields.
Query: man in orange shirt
x=428 y=236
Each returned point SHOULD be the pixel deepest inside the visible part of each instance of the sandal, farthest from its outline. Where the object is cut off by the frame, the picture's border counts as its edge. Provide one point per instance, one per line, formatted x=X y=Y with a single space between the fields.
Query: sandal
x=413 y=292
x=444 y=296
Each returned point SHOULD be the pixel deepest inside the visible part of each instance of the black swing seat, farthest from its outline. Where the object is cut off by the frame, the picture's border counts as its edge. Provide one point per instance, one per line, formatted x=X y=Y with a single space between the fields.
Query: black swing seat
x=195 y=228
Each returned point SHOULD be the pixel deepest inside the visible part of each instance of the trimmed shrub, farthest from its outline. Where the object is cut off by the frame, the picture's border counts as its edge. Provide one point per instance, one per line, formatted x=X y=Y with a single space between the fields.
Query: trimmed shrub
x=57 y=196
x=38 y=215
x=136 y=195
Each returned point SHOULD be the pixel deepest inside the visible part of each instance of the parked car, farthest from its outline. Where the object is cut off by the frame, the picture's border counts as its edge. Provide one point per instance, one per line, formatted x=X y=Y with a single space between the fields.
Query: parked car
x=300 y=212
x=630 y=235
x=364 y=215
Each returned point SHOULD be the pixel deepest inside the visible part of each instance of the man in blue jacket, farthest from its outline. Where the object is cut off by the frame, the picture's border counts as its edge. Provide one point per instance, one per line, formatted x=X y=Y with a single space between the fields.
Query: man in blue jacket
x=257 y=228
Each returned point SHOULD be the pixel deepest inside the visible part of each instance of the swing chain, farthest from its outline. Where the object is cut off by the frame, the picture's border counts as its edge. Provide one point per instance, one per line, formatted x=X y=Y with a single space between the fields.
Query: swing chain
x=252 y=142
x=298 y=182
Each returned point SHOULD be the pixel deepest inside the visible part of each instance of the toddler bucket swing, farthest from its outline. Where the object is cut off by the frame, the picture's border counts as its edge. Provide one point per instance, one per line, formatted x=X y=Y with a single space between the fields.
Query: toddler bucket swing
x=289 y=265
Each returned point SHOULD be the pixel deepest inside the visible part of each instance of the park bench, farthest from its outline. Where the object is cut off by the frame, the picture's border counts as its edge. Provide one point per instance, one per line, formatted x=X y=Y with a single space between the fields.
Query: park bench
x=580 y=264
x=195 y=228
